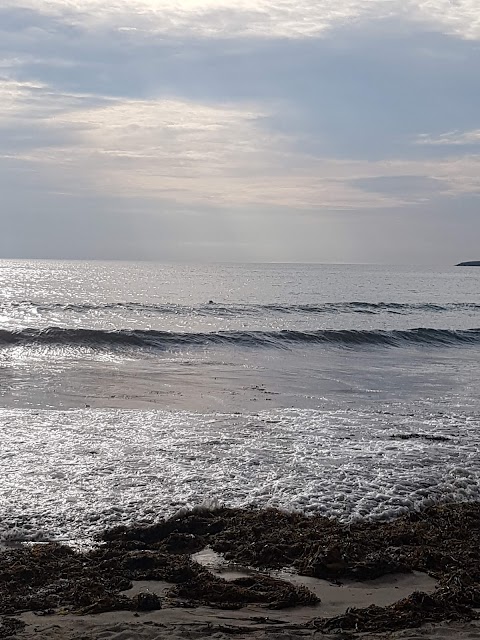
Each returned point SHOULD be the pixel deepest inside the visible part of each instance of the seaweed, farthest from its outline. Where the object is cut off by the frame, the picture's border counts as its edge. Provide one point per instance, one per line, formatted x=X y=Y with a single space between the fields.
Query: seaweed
x=210 y=590
x=10 y=626
x=442 y=541
x=417 y=609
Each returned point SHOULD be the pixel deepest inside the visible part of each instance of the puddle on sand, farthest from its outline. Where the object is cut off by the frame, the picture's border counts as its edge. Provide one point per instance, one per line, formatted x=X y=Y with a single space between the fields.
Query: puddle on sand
x=335 y=599
x=217 y=564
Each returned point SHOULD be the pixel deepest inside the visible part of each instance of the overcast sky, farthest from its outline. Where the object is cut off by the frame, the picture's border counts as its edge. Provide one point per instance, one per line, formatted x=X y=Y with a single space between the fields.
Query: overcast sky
x=246 y=130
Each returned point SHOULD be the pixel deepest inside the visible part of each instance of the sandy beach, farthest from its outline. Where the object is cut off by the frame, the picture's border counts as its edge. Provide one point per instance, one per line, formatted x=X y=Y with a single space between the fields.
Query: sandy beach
x=252 y=574
x=206 y=623
x=249 y=622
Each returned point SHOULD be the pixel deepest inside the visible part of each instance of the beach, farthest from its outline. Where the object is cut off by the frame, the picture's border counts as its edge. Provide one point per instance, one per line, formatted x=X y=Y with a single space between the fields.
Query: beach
x=214 y=624
x=252 y=573
x=295 y=454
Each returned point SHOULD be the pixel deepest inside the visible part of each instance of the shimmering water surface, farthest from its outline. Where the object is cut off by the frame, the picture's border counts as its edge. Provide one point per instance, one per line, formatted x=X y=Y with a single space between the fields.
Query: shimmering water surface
x=131 y=390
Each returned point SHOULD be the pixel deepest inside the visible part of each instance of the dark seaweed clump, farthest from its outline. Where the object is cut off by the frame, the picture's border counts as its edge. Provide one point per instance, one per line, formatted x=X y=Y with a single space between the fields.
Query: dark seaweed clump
x=48 y=577
x=417 y=609
x=443 y=541
x=10 y=626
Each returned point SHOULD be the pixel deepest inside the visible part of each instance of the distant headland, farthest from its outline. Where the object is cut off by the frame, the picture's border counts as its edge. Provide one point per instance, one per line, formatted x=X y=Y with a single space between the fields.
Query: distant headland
x=471 y=263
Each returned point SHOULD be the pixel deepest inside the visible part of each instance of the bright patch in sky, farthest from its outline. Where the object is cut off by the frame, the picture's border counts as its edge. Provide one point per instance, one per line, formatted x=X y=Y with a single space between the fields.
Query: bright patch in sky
x=312 y=109
x=267 y=18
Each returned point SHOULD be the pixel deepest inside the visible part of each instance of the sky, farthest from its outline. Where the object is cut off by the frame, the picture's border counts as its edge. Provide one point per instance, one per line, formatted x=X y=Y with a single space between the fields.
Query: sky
x=254 y=130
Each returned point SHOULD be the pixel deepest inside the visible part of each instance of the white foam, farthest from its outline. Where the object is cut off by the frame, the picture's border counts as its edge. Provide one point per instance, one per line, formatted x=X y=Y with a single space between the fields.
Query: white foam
x=69 y=474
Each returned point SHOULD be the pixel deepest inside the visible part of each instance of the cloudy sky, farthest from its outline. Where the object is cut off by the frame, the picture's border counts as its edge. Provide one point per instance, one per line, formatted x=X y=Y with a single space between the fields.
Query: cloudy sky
x=254 y=130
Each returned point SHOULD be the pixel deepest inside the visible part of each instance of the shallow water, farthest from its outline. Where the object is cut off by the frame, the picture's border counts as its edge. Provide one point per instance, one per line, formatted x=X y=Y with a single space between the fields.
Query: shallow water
x=118 y=425
x=67 y=473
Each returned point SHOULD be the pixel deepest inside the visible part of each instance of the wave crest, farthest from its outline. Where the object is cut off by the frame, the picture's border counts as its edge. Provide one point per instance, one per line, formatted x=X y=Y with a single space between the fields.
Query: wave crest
x=163 y=340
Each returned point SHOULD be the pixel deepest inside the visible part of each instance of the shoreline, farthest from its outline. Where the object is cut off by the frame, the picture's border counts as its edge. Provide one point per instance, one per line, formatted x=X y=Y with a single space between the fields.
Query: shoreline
x=218 y=626
x=317 y=574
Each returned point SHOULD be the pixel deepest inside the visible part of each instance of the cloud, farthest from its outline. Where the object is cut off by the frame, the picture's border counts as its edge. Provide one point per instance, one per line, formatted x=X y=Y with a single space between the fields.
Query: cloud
x=367 y=89
x=246 y=18
x=409 y=188
x=219 y=126
x=193 y=153
x=460 y=17
x=205 y=18
x=451 y=138
x=165 y=149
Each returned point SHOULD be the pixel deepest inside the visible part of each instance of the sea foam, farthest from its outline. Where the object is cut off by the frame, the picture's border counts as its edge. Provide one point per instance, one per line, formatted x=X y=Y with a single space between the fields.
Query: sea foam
x=69 y=474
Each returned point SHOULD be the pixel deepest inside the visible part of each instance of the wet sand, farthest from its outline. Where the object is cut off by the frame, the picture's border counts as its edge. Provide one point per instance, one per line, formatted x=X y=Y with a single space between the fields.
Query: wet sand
x=205 y=623
x=253 y=574
x=248 y=622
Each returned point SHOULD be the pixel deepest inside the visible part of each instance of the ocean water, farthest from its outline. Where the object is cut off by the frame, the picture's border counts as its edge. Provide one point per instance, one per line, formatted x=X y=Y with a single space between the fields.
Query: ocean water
x=130 y=391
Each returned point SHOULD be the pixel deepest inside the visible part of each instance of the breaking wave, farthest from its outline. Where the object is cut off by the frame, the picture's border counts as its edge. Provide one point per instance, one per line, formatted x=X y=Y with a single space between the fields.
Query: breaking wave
x=164 y=340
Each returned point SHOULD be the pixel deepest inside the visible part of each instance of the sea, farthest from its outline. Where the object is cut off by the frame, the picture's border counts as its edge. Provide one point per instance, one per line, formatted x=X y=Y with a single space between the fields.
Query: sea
x=133 y=391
